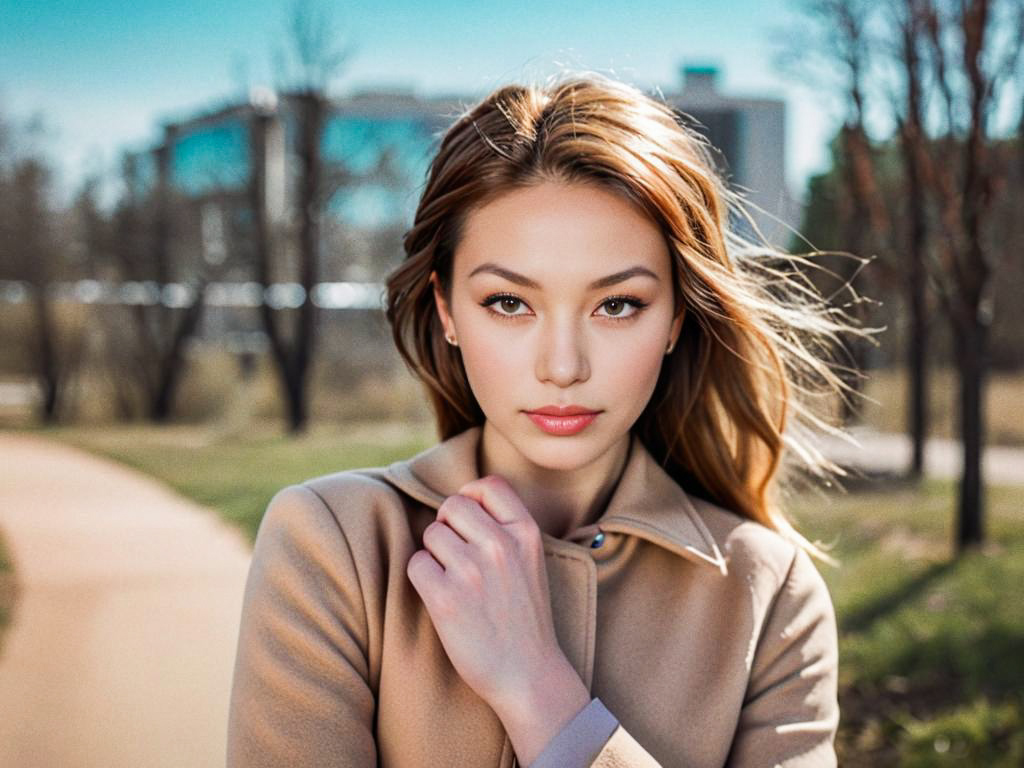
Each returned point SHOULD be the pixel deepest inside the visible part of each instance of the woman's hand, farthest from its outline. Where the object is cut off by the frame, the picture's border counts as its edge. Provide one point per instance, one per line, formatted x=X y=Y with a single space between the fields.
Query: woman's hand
x=483 y=580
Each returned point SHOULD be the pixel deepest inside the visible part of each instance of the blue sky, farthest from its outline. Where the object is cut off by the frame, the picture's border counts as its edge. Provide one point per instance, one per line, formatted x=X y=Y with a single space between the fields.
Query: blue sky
x=105 y=73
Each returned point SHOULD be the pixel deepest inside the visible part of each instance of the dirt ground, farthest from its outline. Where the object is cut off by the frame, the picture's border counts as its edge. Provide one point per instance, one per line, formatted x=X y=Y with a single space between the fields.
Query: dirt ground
x=122 y=640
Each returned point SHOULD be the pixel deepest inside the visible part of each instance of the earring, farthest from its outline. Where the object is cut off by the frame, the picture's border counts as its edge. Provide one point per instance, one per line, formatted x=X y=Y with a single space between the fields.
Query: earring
x=451 y=340
x=669 y=348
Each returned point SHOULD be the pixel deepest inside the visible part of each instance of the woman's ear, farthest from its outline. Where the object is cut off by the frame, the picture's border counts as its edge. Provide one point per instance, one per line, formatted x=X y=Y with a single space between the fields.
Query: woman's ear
x=442 y=306
x=677 y=326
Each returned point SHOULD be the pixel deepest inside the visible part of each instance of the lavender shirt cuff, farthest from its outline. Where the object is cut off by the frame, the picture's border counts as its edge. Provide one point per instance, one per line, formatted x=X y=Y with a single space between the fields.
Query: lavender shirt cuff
x=579 y=742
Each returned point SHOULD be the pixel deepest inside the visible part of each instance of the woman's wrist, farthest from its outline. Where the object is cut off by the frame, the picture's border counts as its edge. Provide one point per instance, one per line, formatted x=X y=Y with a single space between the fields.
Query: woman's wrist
x=551 y=698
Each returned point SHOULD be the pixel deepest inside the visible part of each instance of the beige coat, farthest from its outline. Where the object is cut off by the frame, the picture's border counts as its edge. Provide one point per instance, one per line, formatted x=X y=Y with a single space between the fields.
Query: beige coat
x=705 y=639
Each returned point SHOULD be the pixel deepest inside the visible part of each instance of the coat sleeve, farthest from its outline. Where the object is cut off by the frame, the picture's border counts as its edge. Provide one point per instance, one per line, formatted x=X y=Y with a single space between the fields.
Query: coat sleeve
x=791 y=712
x=594 y=739
x=300 y=694
x=580 y=741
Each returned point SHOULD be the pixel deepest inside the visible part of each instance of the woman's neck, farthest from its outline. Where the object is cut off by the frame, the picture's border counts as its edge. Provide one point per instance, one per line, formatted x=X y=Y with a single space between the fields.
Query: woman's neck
x=560 y=500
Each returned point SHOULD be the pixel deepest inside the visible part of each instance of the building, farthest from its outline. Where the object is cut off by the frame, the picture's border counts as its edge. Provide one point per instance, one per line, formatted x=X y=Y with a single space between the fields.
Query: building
x=750 y=134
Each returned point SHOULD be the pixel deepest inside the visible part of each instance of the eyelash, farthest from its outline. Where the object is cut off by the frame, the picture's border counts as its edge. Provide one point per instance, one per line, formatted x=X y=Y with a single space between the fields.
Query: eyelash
x=639 y=304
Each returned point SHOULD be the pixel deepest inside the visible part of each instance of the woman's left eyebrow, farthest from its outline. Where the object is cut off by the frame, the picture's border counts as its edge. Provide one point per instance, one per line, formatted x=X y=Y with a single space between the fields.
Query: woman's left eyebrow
x=603 y=282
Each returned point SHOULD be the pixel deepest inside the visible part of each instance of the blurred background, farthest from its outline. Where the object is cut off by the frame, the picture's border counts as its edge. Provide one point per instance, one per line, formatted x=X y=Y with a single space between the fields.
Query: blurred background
x=199 y=203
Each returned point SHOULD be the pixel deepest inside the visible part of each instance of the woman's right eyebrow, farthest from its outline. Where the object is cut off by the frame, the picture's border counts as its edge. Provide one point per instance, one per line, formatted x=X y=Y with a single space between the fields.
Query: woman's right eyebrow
x=523 y=280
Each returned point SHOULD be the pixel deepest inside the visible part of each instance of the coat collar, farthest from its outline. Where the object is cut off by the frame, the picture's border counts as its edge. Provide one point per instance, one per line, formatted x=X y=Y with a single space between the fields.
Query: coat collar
x=647 y=502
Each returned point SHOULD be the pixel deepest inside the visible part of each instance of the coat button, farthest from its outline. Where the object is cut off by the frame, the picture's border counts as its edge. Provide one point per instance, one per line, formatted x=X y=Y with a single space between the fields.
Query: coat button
x=598 y=541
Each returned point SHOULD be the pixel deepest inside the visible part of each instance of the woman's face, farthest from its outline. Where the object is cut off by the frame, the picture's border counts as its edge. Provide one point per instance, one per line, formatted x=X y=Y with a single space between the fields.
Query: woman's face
x=561 y=295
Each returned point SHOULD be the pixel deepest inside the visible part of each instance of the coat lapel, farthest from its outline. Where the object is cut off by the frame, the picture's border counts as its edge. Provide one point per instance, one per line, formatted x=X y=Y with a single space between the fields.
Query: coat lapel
x=647 y=502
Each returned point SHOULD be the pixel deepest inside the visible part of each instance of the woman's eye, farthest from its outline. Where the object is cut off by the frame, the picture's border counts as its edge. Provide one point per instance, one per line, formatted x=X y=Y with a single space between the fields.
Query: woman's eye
x=617 y=306
x=510 y=304
x=503 y=303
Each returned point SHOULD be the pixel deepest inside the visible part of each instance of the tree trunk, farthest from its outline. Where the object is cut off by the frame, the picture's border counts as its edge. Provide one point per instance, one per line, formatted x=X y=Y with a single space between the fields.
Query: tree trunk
x=917 y=357
x=312 y=111
x=972 y=342
x=918 y=338
x=297 y=408
x=46 y=357
x=857 y=234
x=912 y=146
x=292 y=357
x=172 y=365
x=974 y=281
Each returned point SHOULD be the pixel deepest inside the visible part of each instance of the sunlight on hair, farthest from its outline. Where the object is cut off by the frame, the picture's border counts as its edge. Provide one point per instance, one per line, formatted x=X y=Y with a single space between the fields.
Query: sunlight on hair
x=756 y=370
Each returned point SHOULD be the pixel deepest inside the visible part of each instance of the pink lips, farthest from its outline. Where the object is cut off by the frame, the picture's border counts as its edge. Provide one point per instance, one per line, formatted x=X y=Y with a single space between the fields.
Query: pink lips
x=562 y=421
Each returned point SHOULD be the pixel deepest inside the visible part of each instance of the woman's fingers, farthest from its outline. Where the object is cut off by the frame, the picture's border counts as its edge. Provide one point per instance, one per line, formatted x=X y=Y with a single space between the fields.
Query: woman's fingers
x=446 y=546
x=498 y=497
x=426 y=574
x=469 y=519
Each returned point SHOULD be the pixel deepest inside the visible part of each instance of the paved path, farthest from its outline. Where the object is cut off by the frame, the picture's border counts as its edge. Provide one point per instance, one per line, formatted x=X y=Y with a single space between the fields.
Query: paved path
x=883 y=452
x=123 y=638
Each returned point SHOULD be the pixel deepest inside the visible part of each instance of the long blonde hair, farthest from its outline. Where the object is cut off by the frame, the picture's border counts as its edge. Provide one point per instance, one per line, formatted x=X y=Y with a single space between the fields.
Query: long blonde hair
x=757 y=339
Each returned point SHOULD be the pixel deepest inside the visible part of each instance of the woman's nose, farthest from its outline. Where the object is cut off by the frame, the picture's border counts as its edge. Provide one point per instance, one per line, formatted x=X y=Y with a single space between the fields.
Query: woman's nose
x=562 y=356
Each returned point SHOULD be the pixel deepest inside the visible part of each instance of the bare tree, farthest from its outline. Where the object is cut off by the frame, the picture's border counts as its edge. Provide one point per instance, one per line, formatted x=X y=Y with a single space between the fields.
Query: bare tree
x=148 y=247
x=30 y=249
x=835 y=40
x=304 y=73
x=972 y=64
x=310 y=62
x=907 y=21
x=966 y=52
x=31 y=230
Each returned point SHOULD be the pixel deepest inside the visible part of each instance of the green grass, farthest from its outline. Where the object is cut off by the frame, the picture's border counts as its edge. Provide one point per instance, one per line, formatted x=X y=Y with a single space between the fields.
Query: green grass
x=8 y=588
x=235 y=475
x=931 y=646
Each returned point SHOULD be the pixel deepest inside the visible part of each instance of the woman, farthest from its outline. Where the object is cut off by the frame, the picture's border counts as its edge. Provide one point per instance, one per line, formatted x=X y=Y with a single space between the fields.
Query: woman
x=591 y=567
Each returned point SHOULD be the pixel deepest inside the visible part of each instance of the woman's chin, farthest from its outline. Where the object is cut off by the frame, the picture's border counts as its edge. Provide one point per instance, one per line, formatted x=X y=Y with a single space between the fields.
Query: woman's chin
x=561 y=452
